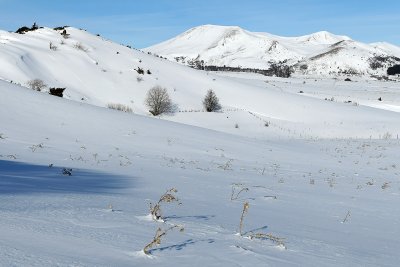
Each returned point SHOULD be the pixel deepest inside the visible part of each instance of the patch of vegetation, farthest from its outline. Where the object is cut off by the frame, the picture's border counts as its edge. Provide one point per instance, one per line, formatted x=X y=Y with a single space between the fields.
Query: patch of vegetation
x=57 y=91
x=25 y=29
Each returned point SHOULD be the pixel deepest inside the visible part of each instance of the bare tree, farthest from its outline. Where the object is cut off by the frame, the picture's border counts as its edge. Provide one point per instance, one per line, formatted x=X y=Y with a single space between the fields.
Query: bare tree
x=211 y=101
x=36 y=84
x=158 y=101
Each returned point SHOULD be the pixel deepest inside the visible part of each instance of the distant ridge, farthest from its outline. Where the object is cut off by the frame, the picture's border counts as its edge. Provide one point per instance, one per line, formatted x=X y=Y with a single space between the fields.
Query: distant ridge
x=321 y=53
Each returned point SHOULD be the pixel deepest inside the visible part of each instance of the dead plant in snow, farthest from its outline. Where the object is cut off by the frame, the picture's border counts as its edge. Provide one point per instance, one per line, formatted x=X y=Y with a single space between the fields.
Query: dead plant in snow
x=346 y=218
x=246 y=206
x=167 y=197
x=35 y=147
x=262 y=236
x=120 y=107
x=226 y=166
x=157 y=237
x=237 y=189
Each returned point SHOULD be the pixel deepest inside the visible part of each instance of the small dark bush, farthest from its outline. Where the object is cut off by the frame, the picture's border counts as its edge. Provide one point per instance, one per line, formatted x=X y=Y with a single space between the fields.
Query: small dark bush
x=60 y=28
x=347 y=80
x=34 y=27
x=23 y=30
x=393 y=70
x=65 y=34
x=67 y=172
x=57 y=91
x=140 y=70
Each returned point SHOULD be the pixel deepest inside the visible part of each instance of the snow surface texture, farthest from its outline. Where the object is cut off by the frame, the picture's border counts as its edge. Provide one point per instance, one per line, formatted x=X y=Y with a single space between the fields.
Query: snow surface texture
x=321 y=53
x=322 y=174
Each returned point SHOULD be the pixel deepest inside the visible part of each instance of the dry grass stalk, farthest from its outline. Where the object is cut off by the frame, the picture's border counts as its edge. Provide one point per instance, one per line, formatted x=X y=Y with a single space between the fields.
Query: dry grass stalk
x=226 y=166
x=235 y=194
x=246 y=206
x=167 y=197
x=35 y=147
x=120 y=107
x=278 y=240
x=346 y=217
x=385 y=185
x=157 y=237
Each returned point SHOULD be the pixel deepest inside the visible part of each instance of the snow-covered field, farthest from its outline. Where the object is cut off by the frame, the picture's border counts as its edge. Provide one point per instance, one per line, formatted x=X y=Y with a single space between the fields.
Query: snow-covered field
x=323 y=175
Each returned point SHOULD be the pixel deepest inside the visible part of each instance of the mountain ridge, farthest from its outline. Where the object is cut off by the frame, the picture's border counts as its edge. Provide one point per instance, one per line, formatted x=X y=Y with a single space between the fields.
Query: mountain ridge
x=232 y=46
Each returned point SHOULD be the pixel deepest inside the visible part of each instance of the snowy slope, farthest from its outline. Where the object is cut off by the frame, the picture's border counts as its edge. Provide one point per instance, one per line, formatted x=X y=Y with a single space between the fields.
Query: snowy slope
x=235 y=47
x=104 y=72
x=322 y=174
x=335 y=201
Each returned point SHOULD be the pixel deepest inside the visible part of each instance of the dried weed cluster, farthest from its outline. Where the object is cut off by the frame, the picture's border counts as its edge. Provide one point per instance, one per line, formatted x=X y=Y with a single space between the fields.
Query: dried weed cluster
x=167 y=197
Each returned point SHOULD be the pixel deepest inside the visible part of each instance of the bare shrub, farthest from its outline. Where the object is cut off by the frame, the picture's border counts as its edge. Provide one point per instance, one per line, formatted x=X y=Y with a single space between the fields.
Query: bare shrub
x=120 y=107
x=158 y=101
x=36 y=84
x=157 y=237
x=211 y=101
x=167 y=197
x=139 y=79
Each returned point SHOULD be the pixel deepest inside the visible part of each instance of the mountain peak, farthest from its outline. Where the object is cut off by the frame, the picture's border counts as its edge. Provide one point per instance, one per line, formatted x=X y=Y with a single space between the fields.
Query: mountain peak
x=323 y=37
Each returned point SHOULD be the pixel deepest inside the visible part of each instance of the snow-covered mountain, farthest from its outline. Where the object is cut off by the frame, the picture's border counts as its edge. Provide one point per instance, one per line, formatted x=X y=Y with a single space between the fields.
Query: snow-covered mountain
x=321 y=53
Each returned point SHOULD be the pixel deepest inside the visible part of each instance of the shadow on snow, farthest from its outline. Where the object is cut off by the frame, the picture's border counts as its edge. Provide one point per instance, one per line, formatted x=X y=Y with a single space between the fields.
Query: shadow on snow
x=182 y=245
x=17 y=178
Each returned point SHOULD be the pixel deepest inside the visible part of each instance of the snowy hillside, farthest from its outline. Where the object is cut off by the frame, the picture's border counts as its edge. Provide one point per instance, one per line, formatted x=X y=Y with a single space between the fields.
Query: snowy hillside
x=315 y=159
x=76 y=182
x=99 y=72
x=321 y=53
